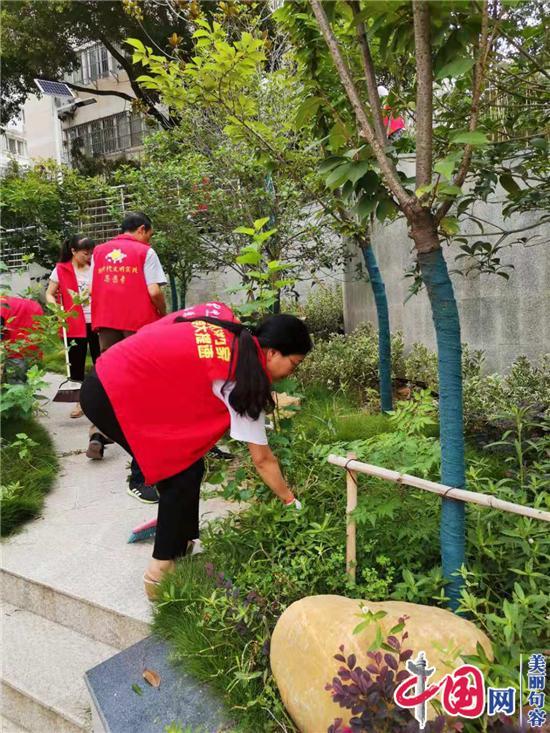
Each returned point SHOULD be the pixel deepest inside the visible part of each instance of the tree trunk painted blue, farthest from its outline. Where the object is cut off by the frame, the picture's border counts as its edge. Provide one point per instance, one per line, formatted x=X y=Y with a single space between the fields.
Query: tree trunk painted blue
x=173 y=292
x=384 y=336
x=449 y=351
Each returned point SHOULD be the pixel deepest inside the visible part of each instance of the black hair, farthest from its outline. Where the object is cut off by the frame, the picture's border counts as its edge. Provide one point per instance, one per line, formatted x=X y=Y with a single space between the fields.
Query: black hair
x=75 y=241
x=252 y=391
x=134 y=220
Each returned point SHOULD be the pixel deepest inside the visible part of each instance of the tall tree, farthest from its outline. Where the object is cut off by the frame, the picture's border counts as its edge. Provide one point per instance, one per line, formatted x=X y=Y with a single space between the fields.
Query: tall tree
x=442 y=58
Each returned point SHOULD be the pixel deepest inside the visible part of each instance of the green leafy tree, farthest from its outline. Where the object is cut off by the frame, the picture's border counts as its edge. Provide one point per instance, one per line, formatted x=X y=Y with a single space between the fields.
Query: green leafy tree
x=212 y=98
x=441 y=59
x=263 y=107
x=44 y=204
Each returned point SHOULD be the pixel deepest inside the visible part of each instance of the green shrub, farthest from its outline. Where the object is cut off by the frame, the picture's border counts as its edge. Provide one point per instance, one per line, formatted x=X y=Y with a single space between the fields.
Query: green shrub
x=324 y=311
x=349 y=362
x=487 y=398
x=29 y=467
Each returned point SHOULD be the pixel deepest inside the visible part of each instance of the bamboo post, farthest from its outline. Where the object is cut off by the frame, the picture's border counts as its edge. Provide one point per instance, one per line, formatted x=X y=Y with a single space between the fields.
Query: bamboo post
x=351 y=505
x=447 y=491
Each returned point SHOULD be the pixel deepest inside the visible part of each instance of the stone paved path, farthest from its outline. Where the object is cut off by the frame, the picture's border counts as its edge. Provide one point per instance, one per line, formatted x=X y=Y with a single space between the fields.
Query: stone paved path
x=79 y=544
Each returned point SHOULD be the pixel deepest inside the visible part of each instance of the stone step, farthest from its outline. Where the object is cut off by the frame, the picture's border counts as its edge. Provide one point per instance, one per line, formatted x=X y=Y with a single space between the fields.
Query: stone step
x=43 y=666
x=123 y=702
x=106 y=625
x=8 y=726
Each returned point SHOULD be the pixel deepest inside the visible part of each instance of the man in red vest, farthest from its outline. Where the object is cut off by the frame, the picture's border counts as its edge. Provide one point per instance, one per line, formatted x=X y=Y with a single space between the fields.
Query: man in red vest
x=126 y=294
x=126 y=282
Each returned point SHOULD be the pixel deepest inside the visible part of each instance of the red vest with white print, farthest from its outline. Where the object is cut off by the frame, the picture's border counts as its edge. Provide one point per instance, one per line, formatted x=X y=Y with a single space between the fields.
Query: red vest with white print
x=68 y=285
x=18 y=315
x=159 y=383
x=120 y=298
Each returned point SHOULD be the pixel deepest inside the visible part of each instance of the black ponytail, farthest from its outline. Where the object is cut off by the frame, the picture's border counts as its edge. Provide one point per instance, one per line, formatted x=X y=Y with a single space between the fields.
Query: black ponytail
x=75 y=241
x=252 y=391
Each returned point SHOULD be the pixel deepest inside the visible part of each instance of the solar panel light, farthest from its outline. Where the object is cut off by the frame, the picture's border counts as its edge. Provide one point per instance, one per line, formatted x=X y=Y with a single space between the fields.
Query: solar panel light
x=54 y=88
x=68 y=110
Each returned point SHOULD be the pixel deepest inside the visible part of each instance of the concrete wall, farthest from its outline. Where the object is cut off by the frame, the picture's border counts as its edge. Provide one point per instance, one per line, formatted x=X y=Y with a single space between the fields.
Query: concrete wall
x=504 y=318
x=18 y=282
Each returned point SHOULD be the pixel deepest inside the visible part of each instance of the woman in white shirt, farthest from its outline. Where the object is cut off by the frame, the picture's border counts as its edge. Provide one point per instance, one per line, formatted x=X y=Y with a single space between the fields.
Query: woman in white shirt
x=72 y=275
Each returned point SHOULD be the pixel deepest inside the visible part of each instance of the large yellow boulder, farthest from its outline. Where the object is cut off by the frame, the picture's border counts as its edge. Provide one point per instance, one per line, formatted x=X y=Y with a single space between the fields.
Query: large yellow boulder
x=285 y=403
x=310 y=632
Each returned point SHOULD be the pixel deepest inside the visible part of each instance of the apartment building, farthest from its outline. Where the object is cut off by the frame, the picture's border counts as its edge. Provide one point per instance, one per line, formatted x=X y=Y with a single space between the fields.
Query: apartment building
x=13 y=145
x=54 y=128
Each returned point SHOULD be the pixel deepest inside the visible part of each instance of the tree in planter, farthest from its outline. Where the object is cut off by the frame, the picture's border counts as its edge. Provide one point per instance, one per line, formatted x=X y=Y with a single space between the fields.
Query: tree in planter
x=419 y=41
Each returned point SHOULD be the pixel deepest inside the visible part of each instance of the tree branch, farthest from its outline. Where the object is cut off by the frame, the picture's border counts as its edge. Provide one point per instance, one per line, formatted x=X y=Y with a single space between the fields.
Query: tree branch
x=479 y=71
x=138 y=91
x=100 y=92
x=386 y=166
x=524 y=53
x=424 y=100
x=370 y=78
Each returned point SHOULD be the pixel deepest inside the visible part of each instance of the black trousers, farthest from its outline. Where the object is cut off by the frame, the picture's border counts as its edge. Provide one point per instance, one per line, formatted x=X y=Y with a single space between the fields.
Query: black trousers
x=77 y=352
x=178 y=509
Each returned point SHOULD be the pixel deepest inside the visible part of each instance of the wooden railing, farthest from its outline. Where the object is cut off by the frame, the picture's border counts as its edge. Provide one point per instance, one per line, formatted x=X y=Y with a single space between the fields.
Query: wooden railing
x=353 y=467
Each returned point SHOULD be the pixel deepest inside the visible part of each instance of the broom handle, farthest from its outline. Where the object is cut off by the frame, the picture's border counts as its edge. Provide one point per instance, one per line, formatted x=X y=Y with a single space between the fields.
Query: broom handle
x=66 y=350
x=66 y=345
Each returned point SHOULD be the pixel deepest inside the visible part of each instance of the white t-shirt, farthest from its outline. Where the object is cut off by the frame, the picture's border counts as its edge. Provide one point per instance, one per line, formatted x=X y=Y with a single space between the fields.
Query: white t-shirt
x=152 y=269
x=242 y=427
x=84 y=282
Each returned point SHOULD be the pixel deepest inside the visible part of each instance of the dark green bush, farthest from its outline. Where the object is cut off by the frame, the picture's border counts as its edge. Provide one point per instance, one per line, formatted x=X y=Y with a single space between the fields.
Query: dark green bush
x=29 y=467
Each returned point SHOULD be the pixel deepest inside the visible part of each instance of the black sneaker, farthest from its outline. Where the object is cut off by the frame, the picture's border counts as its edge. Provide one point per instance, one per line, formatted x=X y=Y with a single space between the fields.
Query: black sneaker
x=95 y=447
x=147 y=493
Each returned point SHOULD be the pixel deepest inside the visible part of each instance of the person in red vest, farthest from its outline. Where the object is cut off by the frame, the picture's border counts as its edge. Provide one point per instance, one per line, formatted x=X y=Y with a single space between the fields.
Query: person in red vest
x=127 y=294
x=17 y=320
x=395 y=126
x=73 y=275
x=126 y=282
x=170 y=392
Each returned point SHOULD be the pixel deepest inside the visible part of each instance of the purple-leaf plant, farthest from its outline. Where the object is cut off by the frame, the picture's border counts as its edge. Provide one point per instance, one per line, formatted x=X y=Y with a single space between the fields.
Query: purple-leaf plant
x=368 y=692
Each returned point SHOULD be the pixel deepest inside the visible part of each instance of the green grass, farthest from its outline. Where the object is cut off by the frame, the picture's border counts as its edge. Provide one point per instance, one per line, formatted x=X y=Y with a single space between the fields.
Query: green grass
x=54 y=361
x=26 y=480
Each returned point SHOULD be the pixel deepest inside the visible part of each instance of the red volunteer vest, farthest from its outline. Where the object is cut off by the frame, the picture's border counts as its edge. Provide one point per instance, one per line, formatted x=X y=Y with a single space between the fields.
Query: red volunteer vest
x=120 y=298
x=159 y=383
x=76 y=323
x=391 y=123
x=18 y=315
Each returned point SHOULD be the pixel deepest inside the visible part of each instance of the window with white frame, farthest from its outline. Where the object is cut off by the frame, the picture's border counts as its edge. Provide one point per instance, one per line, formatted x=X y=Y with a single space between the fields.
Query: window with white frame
x=94 y=64
x=107 y=135
x=14 y=146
